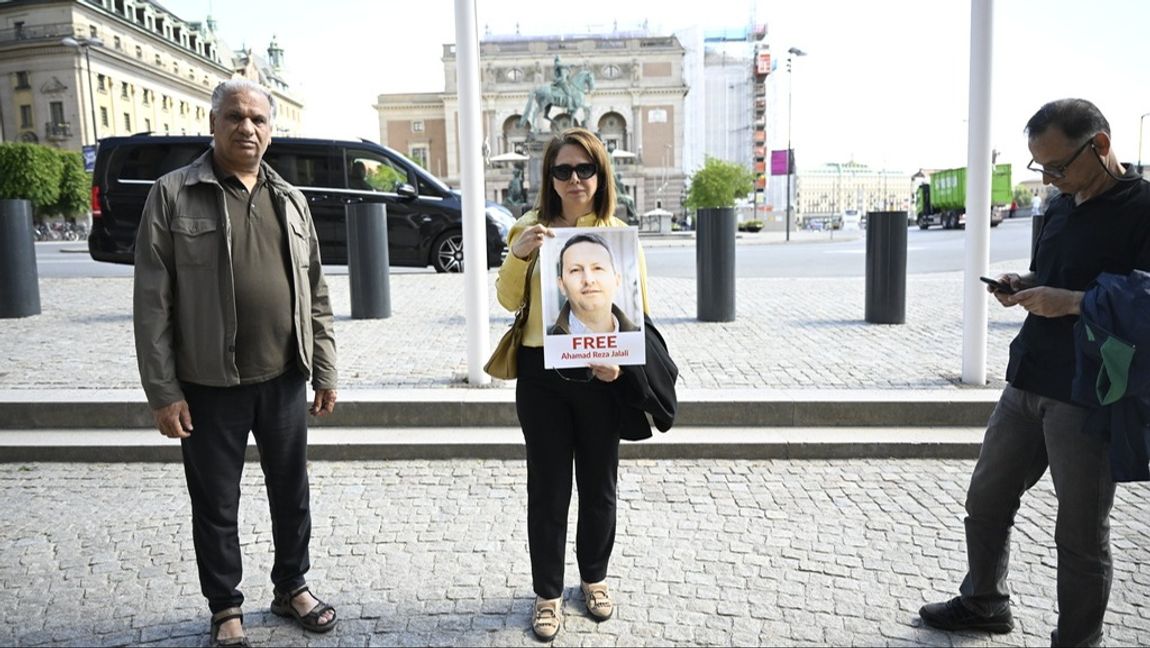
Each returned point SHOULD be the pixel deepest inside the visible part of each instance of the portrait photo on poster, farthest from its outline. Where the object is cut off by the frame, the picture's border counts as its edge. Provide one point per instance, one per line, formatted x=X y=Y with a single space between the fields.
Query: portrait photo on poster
x=592 y=300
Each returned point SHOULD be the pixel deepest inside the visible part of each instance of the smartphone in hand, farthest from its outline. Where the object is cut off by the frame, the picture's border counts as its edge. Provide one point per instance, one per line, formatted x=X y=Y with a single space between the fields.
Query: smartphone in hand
x=999 y=286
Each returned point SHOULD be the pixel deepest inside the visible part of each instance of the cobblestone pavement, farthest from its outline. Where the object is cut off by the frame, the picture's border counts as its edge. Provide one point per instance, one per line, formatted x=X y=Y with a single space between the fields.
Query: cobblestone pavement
x=790 y=333
x=424 y=552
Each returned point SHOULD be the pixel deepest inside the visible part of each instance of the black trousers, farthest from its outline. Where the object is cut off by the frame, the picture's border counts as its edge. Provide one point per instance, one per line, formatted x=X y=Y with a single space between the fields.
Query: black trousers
x=275 y=412
x=562 y=422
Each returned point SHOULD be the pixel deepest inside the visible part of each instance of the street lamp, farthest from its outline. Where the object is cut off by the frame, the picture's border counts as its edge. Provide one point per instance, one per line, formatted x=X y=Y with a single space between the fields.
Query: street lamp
x=84 y=45
x=1141 y=122
x=794 y=51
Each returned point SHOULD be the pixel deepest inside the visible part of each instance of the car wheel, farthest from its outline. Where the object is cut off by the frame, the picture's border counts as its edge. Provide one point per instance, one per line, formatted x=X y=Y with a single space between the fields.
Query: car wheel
x=447 y=252
x=922 y=224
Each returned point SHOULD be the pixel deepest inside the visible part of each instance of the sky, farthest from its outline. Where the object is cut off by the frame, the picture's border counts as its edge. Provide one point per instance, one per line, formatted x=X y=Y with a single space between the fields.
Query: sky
x=884 y=82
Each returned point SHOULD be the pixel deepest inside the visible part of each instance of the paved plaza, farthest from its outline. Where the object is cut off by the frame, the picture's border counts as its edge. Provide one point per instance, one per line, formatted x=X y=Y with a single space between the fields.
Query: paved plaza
x=789 y=334
x=423 y=552
x=434 y=553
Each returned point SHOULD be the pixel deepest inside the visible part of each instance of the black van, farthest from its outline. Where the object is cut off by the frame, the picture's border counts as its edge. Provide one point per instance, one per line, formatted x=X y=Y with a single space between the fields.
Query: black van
x=424 y=216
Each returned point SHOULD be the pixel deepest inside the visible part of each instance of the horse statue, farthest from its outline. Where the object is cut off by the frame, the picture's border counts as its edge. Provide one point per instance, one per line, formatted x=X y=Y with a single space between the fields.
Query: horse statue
x=572 y=99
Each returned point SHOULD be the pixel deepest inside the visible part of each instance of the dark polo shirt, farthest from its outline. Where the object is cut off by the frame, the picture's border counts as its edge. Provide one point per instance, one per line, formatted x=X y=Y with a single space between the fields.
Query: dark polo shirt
x=1108 y=233
x=265 y=345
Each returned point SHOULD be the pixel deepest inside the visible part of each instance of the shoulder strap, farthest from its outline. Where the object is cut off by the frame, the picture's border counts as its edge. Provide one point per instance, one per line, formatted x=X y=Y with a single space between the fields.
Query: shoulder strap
x=527 y=283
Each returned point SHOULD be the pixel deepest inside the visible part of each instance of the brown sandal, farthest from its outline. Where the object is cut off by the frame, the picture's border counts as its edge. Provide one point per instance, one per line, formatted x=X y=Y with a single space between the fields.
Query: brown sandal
x=219 y=619
x=281 y=606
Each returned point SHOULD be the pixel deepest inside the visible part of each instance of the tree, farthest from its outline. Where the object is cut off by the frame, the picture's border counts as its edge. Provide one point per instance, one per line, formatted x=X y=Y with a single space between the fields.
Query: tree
x=53 y=180
x=1022 y=196
x=386 y=178
x=30 y=172
x=718 y=184
x=75 y=187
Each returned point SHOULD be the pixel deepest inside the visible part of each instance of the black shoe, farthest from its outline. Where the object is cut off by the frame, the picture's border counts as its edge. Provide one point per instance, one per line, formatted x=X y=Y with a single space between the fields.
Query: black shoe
x=953 y=615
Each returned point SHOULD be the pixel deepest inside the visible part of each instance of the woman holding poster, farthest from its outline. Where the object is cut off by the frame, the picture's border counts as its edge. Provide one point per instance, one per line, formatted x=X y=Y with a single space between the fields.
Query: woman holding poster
x=568 y=415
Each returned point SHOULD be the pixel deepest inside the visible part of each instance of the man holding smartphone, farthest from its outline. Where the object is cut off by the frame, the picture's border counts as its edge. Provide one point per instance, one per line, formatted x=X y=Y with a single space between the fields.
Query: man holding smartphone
x=1099 y=223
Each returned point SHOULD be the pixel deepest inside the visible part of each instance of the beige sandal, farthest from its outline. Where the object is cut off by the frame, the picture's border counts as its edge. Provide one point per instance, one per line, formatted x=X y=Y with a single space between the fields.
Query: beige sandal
x=218 y=620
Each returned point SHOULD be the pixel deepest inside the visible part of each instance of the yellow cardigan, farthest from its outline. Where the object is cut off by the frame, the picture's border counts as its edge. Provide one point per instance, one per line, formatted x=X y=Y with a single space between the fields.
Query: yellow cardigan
x=509 y=283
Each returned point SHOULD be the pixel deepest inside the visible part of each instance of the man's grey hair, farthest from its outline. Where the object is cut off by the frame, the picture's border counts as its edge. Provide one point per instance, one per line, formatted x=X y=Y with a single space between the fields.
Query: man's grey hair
x=1076 y=118
x=232 y=86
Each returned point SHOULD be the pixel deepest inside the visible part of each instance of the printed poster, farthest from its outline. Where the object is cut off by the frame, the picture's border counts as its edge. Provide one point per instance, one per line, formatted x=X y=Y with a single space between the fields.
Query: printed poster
x=592 y=299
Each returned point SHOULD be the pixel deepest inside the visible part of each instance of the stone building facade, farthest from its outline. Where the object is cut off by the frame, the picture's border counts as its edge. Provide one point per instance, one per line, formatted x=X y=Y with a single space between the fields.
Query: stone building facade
x=150 y=71
x=636 y=107
x=832 y=188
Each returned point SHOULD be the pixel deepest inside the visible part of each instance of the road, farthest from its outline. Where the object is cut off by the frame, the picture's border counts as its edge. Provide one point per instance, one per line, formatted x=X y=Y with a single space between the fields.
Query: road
x=933 y=250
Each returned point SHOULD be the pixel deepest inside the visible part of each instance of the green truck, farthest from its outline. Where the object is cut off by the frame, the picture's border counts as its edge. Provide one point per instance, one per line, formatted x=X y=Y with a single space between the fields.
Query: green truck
x=942 y=201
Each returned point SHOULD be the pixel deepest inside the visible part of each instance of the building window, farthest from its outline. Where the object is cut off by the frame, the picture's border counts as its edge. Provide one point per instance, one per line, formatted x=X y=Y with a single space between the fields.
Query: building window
x=93 y=32
x=22 y=81
x=103 y=116
x=127 y=122
x=101 y=83
x=25 y=116
x=611 y=71
x=147 y=124
x=159 y=61
x=175 y=67
x=515 y=74
x=139 y=52
x=419 y=155
x=147 y=97
x=116 y=43
x=56 y=109
x=123 y=90
x=417 y=126
x=166 y=129
x=166 y=102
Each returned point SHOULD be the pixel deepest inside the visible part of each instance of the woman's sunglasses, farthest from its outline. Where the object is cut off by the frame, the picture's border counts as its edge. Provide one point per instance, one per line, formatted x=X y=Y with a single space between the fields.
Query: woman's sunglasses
x=576 y=374
x=563 y=172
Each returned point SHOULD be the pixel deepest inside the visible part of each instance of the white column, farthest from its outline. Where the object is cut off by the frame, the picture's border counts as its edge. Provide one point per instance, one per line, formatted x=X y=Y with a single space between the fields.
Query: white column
x=472 y=186
x=978 y=172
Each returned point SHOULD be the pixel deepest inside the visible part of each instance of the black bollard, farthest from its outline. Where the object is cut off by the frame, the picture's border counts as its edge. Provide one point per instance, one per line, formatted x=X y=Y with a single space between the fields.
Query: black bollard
x=715 y=264
x=886 y=267
x=19 y=281
x=367 y=261
x=1036 y=223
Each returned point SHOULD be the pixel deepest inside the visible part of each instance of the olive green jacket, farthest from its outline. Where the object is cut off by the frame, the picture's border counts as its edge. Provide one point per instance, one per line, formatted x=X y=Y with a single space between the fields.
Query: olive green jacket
x=184 y=306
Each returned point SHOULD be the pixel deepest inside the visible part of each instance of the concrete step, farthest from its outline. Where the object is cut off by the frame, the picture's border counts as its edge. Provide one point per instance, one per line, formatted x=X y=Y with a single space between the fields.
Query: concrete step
x=378 y=444
x=495 y=407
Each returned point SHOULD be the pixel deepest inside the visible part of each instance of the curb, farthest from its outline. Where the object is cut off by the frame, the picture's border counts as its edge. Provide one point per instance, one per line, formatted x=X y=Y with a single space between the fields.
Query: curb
x=461 y=408
x=392 y=444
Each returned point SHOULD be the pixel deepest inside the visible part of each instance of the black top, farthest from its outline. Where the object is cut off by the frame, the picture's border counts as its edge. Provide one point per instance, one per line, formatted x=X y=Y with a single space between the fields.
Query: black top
x=1108 y=233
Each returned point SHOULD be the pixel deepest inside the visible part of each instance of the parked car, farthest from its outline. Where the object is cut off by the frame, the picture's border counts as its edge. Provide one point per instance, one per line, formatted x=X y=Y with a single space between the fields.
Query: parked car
x=424 y=216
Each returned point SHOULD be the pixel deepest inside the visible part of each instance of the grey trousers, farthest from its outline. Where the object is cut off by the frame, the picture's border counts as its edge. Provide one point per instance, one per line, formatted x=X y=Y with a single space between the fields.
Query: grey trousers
x=1027 y=433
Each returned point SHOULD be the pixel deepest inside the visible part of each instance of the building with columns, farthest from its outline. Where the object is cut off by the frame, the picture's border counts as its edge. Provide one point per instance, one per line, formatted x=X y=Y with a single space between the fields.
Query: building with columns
x=636 y=107
x=832 y=188
x=149 y=71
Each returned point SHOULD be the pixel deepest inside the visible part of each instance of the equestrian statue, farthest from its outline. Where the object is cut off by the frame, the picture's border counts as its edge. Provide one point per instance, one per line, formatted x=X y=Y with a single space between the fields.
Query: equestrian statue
x=568 y=92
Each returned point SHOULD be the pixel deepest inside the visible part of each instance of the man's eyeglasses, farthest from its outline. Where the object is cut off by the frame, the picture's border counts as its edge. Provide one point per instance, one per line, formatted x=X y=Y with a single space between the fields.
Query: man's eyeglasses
x=1058 y=171
x=563 y=172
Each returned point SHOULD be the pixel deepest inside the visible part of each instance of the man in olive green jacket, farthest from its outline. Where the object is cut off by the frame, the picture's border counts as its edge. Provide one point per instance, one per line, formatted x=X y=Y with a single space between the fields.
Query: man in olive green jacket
x=232 y=317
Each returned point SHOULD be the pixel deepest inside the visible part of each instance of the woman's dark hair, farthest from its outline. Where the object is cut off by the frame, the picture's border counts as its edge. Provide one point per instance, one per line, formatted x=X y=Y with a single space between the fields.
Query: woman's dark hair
x=548 y=203
x=1076 y=118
